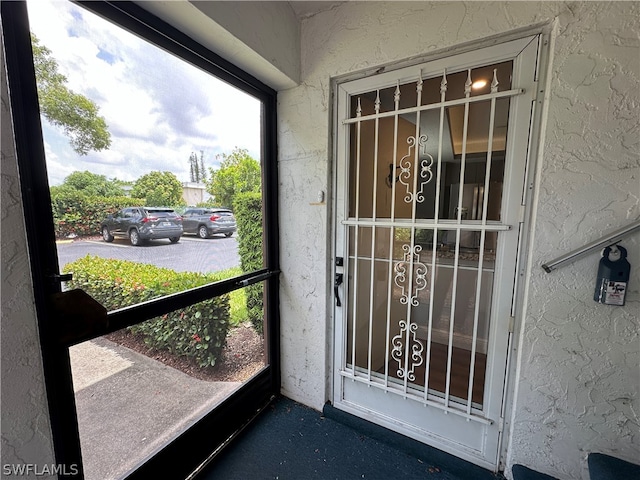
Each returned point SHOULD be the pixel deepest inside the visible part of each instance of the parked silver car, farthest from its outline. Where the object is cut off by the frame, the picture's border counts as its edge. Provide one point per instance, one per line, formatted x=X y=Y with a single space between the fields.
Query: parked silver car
x=205 y=222
x=142 y=223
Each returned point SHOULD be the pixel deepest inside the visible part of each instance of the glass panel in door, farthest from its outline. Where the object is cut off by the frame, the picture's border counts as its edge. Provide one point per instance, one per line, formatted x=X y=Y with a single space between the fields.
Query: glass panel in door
x=420 y=297
x=375 y=335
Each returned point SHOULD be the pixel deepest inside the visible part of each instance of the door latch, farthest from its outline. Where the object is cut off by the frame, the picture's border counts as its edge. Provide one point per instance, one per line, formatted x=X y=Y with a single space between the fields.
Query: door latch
x=62 y=277
x=336 y=284
x=56 y=279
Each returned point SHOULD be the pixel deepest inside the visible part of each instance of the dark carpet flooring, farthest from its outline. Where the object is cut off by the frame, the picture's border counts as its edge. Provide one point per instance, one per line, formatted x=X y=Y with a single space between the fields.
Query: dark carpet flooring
x=289 y=441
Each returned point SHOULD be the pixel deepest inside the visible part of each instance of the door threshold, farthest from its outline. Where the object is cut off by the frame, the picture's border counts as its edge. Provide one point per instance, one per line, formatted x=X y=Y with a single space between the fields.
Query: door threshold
x=410 y=446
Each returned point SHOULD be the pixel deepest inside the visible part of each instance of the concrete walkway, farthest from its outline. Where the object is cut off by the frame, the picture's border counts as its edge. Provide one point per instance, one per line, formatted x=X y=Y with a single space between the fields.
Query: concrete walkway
x=129 y=406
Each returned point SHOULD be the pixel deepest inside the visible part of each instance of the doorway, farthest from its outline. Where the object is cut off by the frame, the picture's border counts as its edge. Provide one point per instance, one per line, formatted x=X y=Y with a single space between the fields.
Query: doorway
x=431 y=167
x=69 y=318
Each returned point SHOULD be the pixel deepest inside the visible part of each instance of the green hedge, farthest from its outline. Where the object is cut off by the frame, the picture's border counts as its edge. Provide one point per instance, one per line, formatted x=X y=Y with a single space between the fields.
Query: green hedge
x=198 y=331
x=78 y=214
x=247 y=208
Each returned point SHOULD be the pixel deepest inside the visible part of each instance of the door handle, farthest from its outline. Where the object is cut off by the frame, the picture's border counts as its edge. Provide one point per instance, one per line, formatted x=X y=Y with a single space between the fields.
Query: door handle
x=338 y=281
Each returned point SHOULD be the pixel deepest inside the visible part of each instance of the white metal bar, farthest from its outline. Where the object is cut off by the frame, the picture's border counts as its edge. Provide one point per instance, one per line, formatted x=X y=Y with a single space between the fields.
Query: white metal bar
x=472 y=268
x=414 y=199
x=469 y=225
x=373 y=232
x=356 y=240
x=396 y=99
x=436 y=217
x=487 y=173
x=454 y=283
x=434 y=106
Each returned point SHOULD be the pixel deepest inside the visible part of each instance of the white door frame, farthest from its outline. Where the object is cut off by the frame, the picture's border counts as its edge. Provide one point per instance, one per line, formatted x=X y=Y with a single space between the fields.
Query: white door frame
x=520 y=127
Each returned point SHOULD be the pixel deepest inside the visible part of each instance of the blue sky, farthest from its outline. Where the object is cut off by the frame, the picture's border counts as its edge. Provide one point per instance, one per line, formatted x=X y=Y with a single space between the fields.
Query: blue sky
x=158 y=108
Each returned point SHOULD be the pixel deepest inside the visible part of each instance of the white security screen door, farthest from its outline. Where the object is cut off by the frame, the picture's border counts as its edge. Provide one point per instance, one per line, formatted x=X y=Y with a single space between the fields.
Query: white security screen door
x=431 y=166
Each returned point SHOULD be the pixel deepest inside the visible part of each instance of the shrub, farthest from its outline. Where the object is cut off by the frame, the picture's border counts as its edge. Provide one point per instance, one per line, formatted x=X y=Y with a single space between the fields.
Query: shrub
x=237 y=298
x=79 y=214
x=248 y=213
x=198 y=331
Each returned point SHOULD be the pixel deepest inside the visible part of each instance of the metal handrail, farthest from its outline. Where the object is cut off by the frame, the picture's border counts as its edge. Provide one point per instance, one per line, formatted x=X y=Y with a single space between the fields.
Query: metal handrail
x=607 y=240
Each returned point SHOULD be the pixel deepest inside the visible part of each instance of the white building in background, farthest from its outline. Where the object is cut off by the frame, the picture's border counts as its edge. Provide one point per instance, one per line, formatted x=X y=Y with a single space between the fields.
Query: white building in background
x=194 y=193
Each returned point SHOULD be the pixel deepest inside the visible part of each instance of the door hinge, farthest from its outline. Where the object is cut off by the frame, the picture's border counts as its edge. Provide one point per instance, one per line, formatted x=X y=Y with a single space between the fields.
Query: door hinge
x=534 y=91
x=512 y=323
x=501 y=424
x=522 y=213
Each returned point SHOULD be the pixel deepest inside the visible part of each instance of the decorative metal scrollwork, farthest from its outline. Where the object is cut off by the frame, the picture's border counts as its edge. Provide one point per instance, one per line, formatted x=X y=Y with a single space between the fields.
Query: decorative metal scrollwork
x=420 y=275
x=407 y=330
x=425 y=174
x=406 y=339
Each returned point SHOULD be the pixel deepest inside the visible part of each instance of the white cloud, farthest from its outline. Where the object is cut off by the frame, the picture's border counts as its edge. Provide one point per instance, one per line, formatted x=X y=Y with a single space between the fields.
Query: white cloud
x=57 y=168
x=158 y=108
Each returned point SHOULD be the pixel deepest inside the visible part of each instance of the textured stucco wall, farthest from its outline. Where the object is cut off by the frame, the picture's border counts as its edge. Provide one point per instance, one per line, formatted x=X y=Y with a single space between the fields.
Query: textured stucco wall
x=577 y=367
x=26 y=432
x=578 y=384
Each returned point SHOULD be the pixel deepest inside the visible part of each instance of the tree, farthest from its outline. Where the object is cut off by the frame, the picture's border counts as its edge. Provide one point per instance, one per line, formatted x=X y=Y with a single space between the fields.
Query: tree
x=74 y=113
x=238 y=173
x=198 y=173
x=192 y=169
x=91 y=184
x=159 y=189
x=203 y=171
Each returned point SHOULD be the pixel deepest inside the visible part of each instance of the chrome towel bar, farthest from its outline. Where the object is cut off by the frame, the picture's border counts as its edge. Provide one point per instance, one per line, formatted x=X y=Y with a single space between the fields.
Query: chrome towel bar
x=610 y=239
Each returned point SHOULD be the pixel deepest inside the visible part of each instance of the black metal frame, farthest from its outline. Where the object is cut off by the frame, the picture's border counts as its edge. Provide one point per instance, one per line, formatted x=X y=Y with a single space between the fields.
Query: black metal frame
x=184 y=454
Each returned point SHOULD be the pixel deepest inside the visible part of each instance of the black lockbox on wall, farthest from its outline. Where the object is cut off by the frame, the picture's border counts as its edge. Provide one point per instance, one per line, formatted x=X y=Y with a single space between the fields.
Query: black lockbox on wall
x=613 y=276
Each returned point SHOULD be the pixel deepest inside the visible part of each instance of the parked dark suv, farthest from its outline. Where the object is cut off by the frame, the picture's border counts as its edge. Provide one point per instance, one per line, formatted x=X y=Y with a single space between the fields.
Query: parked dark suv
x=208 y=221
x=142 y=223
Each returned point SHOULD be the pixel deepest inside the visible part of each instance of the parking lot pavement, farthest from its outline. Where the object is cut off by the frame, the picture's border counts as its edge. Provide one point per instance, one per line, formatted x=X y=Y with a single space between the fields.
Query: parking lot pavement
x=191 y=254
x=130 y=405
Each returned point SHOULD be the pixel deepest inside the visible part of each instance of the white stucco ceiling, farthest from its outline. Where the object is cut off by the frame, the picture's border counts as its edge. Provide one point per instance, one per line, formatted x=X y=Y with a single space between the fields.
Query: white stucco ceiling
x=262 y=38
x=304 y=9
